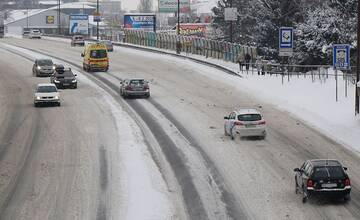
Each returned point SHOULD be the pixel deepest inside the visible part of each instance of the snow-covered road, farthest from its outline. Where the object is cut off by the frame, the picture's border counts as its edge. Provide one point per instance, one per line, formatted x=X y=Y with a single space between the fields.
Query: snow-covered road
x=244 y=178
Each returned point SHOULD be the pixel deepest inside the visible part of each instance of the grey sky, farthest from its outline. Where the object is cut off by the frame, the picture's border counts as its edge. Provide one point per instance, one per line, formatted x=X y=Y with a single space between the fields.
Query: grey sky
x=132 y=4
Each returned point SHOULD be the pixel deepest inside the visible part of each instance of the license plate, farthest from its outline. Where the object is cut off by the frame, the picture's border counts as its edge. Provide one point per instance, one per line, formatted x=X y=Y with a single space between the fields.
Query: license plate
x=329 y=185
x=66 y=84
x=249 y=126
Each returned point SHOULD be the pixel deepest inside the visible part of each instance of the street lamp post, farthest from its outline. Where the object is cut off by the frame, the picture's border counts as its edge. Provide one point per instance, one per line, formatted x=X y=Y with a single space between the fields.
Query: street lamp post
x=59 y=23
x=231 y=25
x=97 y=22
x=178 y=45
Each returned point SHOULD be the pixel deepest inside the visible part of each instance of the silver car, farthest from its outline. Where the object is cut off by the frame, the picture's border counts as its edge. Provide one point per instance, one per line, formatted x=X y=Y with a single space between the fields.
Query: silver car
x=134 y=87
x=43 y=67
x=245 y=123
x=46 y=93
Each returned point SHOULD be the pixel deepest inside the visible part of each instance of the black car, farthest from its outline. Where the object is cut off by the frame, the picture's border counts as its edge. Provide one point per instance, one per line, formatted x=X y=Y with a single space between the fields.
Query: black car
x=64 y=78
x=43 y=67
x=322 y=177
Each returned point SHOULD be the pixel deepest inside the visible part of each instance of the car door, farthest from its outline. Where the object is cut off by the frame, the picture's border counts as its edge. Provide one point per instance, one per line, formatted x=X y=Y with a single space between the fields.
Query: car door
x=299 y=180
x=34 y=67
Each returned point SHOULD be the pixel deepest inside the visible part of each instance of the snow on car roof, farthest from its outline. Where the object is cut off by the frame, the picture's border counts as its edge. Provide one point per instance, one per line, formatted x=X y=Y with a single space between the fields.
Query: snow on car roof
x=325 y=162
x=247 y=111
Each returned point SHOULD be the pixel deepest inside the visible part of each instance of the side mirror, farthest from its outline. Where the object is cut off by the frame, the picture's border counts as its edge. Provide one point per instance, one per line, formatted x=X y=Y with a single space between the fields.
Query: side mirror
x=121 y=82
x=297 y=170
x=75 y=74
x=345 y=168
x=82 y=55
x=226 y=117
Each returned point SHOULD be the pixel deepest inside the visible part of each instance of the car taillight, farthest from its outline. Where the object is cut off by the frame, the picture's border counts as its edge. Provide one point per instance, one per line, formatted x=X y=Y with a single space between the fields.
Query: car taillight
x=347 y=182
x=238 y=123
x=128 y=88
x=262 y=123
x=146 y=87
x=310 y=183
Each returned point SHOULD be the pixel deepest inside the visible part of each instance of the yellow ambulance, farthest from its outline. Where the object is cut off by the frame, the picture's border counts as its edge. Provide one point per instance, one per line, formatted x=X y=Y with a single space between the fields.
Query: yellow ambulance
x=95 y=57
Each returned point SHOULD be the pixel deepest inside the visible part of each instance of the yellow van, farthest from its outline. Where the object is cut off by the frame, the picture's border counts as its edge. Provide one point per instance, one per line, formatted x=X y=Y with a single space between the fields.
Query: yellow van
x=95 y=57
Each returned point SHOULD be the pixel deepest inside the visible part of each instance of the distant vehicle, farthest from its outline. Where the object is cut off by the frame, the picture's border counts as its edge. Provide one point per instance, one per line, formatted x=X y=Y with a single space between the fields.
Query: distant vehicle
x=2 y=26
x=26 y=34
x=134 y=87
x=64 y=78
x=245 y=123
x=77 y=40
x=322 y=177
x=95 y=57
x=43 y=67
x=108 y=44
x=34 y=33
x=46 y=93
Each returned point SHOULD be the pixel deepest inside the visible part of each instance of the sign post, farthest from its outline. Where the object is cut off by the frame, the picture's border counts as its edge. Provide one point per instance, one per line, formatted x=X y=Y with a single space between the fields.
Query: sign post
x=286 y=41
x=231 y=15
x=341 y=57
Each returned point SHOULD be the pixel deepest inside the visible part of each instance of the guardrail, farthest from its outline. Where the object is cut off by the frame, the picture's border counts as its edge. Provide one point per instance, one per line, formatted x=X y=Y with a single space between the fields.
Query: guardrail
x=191 y=45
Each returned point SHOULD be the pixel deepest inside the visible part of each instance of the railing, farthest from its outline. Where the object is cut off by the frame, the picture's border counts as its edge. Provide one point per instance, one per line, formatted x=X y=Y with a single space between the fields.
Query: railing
x=191 y=45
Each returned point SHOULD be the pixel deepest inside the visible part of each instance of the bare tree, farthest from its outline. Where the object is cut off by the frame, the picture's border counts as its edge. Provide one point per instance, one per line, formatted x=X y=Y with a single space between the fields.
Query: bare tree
x=145 y=6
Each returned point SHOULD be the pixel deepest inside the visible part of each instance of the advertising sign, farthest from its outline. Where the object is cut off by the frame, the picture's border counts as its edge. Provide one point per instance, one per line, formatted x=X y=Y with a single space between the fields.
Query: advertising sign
x=79 y=24
x=171 y=6
x=286 y=41
x=140 y=21
x=193 y=29
x=231 y=14
x=341 y=56
x=50 y=19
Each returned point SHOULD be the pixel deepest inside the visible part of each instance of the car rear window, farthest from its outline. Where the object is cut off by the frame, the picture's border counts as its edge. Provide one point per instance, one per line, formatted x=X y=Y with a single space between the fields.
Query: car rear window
x=137 y=82
x=98 y=54
x=45 y=63
x=46 y=89
x=79 y=38
x=325 y=172
x=249 y=117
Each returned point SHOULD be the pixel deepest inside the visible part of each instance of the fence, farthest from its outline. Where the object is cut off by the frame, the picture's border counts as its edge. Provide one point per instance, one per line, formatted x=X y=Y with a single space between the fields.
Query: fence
x=191 y=45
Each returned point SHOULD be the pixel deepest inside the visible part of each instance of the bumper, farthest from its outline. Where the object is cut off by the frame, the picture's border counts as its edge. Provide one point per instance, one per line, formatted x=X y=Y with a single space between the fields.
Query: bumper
x=251 y=132
x=45 y=72
x=138 y=93
x=44 y=101
x=329 y=192
x=98 y=67
x=65 y=85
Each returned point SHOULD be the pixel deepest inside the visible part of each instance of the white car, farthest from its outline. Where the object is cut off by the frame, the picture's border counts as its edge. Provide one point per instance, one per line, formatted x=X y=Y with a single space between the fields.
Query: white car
x=34 y=34
x=245 y=123
x=46 y=93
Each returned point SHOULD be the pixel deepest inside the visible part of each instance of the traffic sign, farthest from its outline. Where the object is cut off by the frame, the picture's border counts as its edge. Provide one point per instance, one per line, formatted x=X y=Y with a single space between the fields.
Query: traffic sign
x=341 y=57
x=231 y=14
x=286 y=41
x=97 y=17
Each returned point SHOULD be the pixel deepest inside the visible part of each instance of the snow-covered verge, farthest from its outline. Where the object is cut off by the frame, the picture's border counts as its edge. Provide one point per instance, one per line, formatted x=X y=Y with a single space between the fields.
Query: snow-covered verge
x=311 y=101
x=144 y=192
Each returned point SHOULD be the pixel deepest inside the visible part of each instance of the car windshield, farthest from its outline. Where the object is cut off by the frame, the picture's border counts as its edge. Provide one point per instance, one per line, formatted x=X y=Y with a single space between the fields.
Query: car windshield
x=98 y=54
x=107 y=43
x=68 y=73
x=45 y=62
x=35 y=31
x=78 y=38
x=249 y=117
x=325 y=172
x=139 y=82
x=46 y=89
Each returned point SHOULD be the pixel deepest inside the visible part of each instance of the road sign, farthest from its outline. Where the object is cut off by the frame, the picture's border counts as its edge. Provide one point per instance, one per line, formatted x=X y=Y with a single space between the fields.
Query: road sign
x=171 y=6
x=231 y=14
x=286 y=41
x=341 y=57
x=79 y=24
x=97 y=17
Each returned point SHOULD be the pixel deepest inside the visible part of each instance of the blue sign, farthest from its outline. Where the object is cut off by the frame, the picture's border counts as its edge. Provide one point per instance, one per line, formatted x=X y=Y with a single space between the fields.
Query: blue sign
x=286 y=38
x=79 y=24
x=139 y=21
x=341 y=56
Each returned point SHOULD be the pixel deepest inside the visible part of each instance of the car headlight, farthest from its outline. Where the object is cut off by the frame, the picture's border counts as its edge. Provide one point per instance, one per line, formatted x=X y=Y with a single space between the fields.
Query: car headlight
x=38 y=97
x=54 y=68
x=74 y=81
x=56 y=97
x=39 y=67
x=56 y=81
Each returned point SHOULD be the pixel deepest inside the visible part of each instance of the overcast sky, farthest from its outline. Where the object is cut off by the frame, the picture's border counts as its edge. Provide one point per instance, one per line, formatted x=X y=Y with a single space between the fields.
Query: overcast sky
x=131 y=4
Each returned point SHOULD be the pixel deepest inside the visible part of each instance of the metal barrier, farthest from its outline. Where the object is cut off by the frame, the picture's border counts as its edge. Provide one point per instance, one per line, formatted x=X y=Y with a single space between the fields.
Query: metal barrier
x=223 y=50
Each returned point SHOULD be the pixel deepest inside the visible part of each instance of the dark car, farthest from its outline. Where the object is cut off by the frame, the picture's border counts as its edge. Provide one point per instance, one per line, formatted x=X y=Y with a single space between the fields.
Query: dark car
x=43 y=67
x=322 y=177
x=134 y=87
x=64 y=78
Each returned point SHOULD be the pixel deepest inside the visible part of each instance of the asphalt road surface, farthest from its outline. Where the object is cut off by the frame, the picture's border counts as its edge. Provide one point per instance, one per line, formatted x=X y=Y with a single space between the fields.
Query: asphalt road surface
x=252 y=179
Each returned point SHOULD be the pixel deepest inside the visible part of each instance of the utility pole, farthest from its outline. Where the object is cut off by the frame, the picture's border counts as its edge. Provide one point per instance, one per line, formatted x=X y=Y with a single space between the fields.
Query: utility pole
x=231 y=24
x=27 y=18
x=59 y=23
x=178 y=45
x=97 y=22
x=358 y=60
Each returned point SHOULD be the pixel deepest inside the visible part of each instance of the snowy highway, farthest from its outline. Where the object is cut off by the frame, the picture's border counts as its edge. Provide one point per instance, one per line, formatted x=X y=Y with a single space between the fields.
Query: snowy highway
x=84 y=159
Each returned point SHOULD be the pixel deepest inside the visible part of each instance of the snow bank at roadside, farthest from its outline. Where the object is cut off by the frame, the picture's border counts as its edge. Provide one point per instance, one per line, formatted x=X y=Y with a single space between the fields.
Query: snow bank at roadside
x=311 y=101
x=144 y=191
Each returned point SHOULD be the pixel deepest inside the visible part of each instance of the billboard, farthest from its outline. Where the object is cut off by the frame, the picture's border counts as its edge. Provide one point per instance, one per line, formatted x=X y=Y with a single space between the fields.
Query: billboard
x=50 y=19
x=79 y=24
x=171 y=6
x=193 y=29
x=140 y=21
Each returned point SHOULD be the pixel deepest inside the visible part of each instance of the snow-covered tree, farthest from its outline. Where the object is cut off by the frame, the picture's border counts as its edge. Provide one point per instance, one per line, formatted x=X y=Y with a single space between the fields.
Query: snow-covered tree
x=145 y=6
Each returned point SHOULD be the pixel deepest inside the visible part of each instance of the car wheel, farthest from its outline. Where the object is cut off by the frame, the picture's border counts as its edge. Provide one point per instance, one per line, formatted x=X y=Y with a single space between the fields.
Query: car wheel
x=347 y=197
x=75 y=86
x=233 y=133
x=304 y=199
x=36 y=105
x=225 y=133
x=296 y=187
x=58 y=104
x=147 y=95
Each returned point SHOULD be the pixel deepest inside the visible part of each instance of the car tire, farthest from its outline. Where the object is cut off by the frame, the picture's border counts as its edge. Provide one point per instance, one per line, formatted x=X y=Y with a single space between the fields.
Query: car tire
x=75 y=86
x=225 y=132
x=147 y=96
x=304 y=199
x=296 y=187
x=36 y=105
x=58 y=104
x=347 y=197
x=233 y=133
